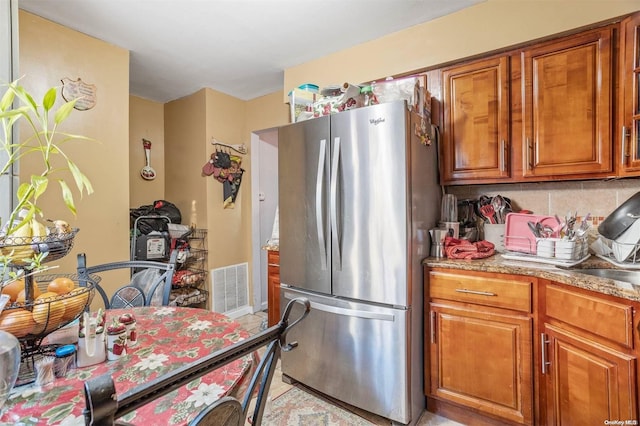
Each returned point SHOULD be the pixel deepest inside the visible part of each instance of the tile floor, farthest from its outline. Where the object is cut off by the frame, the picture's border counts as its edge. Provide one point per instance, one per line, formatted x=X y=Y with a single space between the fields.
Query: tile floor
x=254 y=323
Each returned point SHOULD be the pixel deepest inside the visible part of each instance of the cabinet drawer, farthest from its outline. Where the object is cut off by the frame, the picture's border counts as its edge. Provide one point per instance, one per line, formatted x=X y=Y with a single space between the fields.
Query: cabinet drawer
x=273 y=257
x=611 y=320
x=507 y=292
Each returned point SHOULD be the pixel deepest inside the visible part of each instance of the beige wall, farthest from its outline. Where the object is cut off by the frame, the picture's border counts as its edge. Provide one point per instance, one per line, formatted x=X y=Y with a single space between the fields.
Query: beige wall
x=191 y=123
x=146 y=120
x=48 y=53
x=225 y=121
x=185 y=153
x=487 y=26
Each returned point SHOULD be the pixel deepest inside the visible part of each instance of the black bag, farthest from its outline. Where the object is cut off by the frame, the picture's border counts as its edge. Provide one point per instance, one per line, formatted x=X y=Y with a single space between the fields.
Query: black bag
x=158 y=208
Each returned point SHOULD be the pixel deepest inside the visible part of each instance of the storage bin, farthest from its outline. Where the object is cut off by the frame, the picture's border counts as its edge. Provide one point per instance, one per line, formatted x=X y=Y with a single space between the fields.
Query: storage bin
x=301 y=100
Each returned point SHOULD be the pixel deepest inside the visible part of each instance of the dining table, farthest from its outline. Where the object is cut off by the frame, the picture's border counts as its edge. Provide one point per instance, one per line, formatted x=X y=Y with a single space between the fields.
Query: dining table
x=168 y=338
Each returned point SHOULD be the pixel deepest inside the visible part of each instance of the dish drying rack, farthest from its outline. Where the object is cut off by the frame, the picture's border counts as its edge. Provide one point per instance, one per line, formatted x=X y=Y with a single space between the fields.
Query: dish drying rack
x=552 y=251
x=632 y=261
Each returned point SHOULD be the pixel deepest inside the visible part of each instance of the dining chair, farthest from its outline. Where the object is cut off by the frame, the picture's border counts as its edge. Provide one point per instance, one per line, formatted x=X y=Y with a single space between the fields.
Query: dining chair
x=147 y=278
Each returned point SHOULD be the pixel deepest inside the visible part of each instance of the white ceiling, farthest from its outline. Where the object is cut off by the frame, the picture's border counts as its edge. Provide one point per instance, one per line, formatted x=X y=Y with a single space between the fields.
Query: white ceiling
x=238 y=47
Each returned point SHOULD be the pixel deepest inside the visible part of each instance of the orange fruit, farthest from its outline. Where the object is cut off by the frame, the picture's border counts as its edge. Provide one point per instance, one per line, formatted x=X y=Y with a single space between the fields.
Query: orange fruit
x=13 y=288
x=21 y=295
x=75 y=303
x=18 y=322
x=48 y=309
x=61 y=285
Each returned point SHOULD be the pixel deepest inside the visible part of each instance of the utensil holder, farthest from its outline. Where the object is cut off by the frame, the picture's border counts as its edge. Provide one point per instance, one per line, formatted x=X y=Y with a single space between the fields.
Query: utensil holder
x=546 y=247
x=494 y=233
x=566 y=249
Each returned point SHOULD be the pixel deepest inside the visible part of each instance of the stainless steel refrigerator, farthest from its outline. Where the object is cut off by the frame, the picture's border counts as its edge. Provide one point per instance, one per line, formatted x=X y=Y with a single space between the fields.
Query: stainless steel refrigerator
x=357 y=196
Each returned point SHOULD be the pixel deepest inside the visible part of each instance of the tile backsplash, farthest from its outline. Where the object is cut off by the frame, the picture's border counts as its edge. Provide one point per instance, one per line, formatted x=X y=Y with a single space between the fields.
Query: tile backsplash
x=598 y=197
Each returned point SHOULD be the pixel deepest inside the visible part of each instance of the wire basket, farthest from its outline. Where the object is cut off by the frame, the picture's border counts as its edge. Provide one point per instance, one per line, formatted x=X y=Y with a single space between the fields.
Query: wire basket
x=31 y=319
x=188 y=296
x=20 y=250
x=188 y=277
x=198 y=234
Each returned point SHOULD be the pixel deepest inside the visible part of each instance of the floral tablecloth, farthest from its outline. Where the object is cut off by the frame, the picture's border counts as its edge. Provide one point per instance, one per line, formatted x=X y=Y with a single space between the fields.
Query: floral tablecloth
x=168 y=338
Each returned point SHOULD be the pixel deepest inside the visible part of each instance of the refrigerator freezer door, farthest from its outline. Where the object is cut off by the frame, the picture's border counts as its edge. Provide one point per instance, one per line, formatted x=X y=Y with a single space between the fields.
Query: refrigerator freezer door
x=354 y=352
x=303 y=169
x=369 y=204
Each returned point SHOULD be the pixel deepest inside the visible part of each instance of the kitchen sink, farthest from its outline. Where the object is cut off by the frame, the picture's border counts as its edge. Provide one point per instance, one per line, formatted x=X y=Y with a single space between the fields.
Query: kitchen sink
x=632 y=277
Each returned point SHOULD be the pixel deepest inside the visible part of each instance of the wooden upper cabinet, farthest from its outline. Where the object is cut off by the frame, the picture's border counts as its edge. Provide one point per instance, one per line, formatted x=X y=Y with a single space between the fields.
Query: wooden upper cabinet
x=567 y=106
x=476 y=121
x=628 y=130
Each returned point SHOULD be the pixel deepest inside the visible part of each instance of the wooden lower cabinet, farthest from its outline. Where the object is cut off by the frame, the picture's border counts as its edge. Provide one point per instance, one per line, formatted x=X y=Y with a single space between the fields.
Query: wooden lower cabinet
x=508 y=349
x=588 y=367
x=586 y=383
x=480 y=346
x=273 y=287
x=483 y=361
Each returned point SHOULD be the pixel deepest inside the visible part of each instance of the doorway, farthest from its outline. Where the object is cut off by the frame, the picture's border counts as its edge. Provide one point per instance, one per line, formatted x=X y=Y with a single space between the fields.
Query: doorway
x=264 y=184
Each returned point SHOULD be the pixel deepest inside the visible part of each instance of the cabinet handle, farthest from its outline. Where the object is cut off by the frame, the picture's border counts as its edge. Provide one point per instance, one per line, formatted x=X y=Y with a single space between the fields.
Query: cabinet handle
x=543 y=350
x=503 y=156
x=432 y=324
x=529 y=154
x=623 y=146
x=481 y=293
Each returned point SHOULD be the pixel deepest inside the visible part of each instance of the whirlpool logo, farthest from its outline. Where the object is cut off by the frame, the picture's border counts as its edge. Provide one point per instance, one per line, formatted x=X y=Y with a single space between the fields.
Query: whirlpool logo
x=376 y=121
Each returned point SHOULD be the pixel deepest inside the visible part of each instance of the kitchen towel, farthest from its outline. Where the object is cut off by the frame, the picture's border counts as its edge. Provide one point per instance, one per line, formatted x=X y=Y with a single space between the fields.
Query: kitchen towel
x=464 y=249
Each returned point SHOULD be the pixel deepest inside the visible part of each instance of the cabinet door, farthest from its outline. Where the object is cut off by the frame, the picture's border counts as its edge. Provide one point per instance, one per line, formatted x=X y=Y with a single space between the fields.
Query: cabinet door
x=476 y=121
x=482 y=360
x=586 y=383
x=567 y=106
x=273 y=287
x=629 y=128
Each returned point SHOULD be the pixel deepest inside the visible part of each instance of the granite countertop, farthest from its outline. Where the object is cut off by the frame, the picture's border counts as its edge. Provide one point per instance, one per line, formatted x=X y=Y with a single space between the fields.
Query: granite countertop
x=570 y=276
x=271 y=246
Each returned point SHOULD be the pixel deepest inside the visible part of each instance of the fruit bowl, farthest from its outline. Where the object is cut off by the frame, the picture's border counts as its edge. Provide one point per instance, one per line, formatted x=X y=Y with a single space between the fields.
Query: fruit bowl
x=21 y=249
x=57 y=300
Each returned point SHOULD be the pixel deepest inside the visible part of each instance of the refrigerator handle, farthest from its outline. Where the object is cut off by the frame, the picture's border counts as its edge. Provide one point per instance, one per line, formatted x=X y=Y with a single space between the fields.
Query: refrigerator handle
x=337 y=261
x=345 y=311
x=319 y=217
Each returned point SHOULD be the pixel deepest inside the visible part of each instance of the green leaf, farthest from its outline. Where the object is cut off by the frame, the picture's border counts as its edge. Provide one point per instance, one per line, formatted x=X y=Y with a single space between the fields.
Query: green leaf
x=23 y=190
x=7 y=100
x=49 y=99
x=16 y=112
x=77 y=175
x=26 y=97
x=64 y=111
x=40 y=184
x=67 y=196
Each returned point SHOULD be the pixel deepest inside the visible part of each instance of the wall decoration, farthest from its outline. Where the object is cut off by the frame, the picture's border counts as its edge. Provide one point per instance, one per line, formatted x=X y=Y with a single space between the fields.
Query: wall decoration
x=78 y=89
x=224 y=166
x=147 y=172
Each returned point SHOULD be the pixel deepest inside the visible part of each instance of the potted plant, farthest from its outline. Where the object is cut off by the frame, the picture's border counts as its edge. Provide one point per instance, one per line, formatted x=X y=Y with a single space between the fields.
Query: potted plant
x=24 y=240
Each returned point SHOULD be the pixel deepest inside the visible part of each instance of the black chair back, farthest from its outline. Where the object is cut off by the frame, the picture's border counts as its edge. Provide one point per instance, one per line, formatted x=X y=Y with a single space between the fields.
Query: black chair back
x=138 y=292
